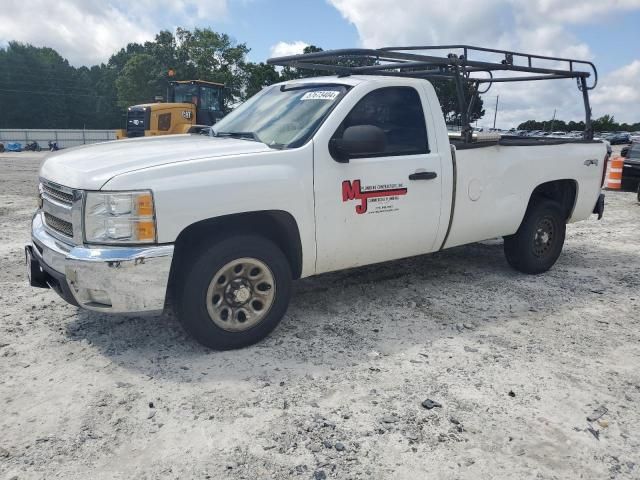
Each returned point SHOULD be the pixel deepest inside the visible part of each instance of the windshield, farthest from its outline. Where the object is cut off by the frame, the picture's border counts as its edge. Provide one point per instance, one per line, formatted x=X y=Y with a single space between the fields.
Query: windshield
x=282 y=116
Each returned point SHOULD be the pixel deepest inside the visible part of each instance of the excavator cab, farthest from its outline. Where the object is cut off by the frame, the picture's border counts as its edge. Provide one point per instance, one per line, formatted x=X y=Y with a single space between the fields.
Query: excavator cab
x=205 y=96
x=191 y=105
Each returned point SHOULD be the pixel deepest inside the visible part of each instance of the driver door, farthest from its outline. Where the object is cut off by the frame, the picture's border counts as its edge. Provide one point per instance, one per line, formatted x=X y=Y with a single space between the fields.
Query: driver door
x=383 y=205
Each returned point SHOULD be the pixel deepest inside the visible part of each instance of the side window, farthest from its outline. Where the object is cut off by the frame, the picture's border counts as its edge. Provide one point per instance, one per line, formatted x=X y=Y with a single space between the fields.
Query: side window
x=398 y=112
x=164 y=122
x=209 y=98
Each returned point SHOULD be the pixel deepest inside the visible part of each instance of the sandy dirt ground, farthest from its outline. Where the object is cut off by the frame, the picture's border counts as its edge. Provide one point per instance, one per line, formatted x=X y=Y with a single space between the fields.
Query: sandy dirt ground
x=516 y=362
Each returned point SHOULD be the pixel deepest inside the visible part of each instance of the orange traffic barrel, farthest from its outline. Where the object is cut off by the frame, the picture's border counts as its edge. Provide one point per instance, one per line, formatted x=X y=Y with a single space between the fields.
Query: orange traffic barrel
x=614 y=181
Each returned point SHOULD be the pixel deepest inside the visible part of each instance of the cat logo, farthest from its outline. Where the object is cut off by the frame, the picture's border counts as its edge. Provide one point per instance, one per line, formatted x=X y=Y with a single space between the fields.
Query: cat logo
x=187 y=115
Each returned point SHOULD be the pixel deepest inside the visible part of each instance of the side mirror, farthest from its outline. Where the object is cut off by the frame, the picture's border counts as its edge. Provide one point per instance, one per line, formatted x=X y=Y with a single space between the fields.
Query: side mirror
x=358 y=140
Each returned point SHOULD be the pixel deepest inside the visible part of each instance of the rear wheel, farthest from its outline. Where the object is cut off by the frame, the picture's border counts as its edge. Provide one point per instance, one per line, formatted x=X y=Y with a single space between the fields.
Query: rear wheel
x=537 y=244
x=234 y=292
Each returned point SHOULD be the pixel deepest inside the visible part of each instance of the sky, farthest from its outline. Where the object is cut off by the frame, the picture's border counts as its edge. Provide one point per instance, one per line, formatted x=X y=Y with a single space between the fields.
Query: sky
x=606 y=32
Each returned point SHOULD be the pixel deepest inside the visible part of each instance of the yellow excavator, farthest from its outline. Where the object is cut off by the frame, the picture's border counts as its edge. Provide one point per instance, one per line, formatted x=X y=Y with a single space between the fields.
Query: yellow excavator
x=191 y=105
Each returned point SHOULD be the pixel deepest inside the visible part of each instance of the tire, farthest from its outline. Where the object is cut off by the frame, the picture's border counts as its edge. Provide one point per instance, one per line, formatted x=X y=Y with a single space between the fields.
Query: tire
x=537 y=244
x=638 y=192
x=208 y=284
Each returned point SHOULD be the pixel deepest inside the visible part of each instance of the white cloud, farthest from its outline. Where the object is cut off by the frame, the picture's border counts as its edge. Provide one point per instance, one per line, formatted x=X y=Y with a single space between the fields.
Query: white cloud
x=282 y=49
x=535 y=26
x=572 y=11
x=89 y=31
x=620 y=93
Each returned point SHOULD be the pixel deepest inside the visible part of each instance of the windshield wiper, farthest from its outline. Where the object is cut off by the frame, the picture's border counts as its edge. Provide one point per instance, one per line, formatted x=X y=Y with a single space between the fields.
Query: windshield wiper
x=242 y=135
x=249 y=136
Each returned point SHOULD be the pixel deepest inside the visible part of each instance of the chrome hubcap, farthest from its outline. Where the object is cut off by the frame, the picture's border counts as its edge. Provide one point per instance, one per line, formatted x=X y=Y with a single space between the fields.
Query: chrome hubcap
x=240 y=294
x=543 y=239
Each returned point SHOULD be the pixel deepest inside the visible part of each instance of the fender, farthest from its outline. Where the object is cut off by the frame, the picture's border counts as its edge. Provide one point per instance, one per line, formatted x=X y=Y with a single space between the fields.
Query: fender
x=199 y=190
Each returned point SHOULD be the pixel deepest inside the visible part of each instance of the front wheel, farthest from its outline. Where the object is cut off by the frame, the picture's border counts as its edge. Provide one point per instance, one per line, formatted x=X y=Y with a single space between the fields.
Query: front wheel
x=537 y=244
x=235 y=292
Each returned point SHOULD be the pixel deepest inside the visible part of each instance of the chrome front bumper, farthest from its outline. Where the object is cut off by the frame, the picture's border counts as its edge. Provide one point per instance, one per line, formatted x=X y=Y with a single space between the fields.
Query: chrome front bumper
x=106 y=279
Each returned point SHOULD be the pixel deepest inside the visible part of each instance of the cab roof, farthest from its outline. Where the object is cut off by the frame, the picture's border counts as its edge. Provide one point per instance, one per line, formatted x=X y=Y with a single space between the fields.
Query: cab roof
x=351 y=80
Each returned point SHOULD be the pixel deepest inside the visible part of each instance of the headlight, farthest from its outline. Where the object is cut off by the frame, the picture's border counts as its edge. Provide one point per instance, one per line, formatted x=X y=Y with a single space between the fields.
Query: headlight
x=119 y=217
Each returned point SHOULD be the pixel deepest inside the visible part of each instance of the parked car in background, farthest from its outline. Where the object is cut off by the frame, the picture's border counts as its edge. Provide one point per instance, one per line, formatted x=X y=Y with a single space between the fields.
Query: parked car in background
x=631 y=167
x=619 y=139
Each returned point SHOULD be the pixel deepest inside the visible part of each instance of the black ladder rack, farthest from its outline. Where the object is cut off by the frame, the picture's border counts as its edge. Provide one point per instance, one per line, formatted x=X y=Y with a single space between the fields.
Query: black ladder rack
x=457 y=65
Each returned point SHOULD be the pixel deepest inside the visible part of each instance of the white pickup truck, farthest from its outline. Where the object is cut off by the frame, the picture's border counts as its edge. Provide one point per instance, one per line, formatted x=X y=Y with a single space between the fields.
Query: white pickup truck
x=308 y=176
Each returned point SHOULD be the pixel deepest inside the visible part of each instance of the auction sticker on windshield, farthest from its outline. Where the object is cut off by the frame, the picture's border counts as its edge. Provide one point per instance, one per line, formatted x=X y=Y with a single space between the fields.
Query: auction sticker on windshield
x=320 y=95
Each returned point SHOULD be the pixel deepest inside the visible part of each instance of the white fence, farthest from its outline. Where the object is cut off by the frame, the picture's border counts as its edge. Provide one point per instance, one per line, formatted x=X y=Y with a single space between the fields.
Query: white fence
x=64 y=138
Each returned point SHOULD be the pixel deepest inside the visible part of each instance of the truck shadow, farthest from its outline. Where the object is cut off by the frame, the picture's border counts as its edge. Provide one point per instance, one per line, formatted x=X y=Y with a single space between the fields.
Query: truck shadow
x=348 y=318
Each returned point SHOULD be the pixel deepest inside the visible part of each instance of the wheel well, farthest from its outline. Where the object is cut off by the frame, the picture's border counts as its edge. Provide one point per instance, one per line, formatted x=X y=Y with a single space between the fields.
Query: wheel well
x=276 y=225
x=561 y=191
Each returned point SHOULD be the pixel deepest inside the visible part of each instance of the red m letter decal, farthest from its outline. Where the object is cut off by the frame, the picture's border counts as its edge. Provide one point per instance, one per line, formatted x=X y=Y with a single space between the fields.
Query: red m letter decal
x=350 y=191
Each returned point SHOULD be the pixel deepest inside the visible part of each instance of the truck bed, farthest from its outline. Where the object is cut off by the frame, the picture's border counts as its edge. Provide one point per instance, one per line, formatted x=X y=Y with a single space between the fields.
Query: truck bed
x=495 y=179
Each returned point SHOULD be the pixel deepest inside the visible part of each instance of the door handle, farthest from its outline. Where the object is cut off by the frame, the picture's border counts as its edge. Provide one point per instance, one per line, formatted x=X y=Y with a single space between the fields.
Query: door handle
x=423 y=176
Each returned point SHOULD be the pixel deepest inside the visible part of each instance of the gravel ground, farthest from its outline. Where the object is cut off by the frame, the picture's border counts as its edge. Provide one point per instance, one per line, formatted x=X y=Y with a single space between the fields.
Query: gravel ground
x=516 y=362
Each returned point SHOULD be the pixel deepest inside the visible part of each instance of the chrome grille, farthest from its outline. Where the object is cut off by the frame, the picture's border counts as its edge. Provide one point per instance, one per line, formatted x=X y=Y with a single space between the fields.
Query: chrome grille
x=59 y=225
x=57 y=194
x=61 y=211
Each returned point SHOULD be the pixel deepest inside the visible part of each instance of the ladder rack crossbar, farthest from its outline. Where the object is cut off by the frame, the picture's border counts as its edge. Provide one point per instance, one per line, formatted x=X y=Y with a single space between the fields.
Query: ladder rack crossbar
x=456 y=64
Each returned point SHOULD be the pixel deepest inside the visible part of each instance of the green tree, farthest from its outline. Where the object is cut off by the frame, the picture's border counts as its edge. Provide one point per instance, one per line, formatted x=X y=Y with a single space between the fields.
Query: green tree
x=258 y=76
x=139 y=81
x=39 y=89
x=212 y=56
x=575 y=126
x=530 y=125
x=448 y=97
x=605 y=123
x=291 y=73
